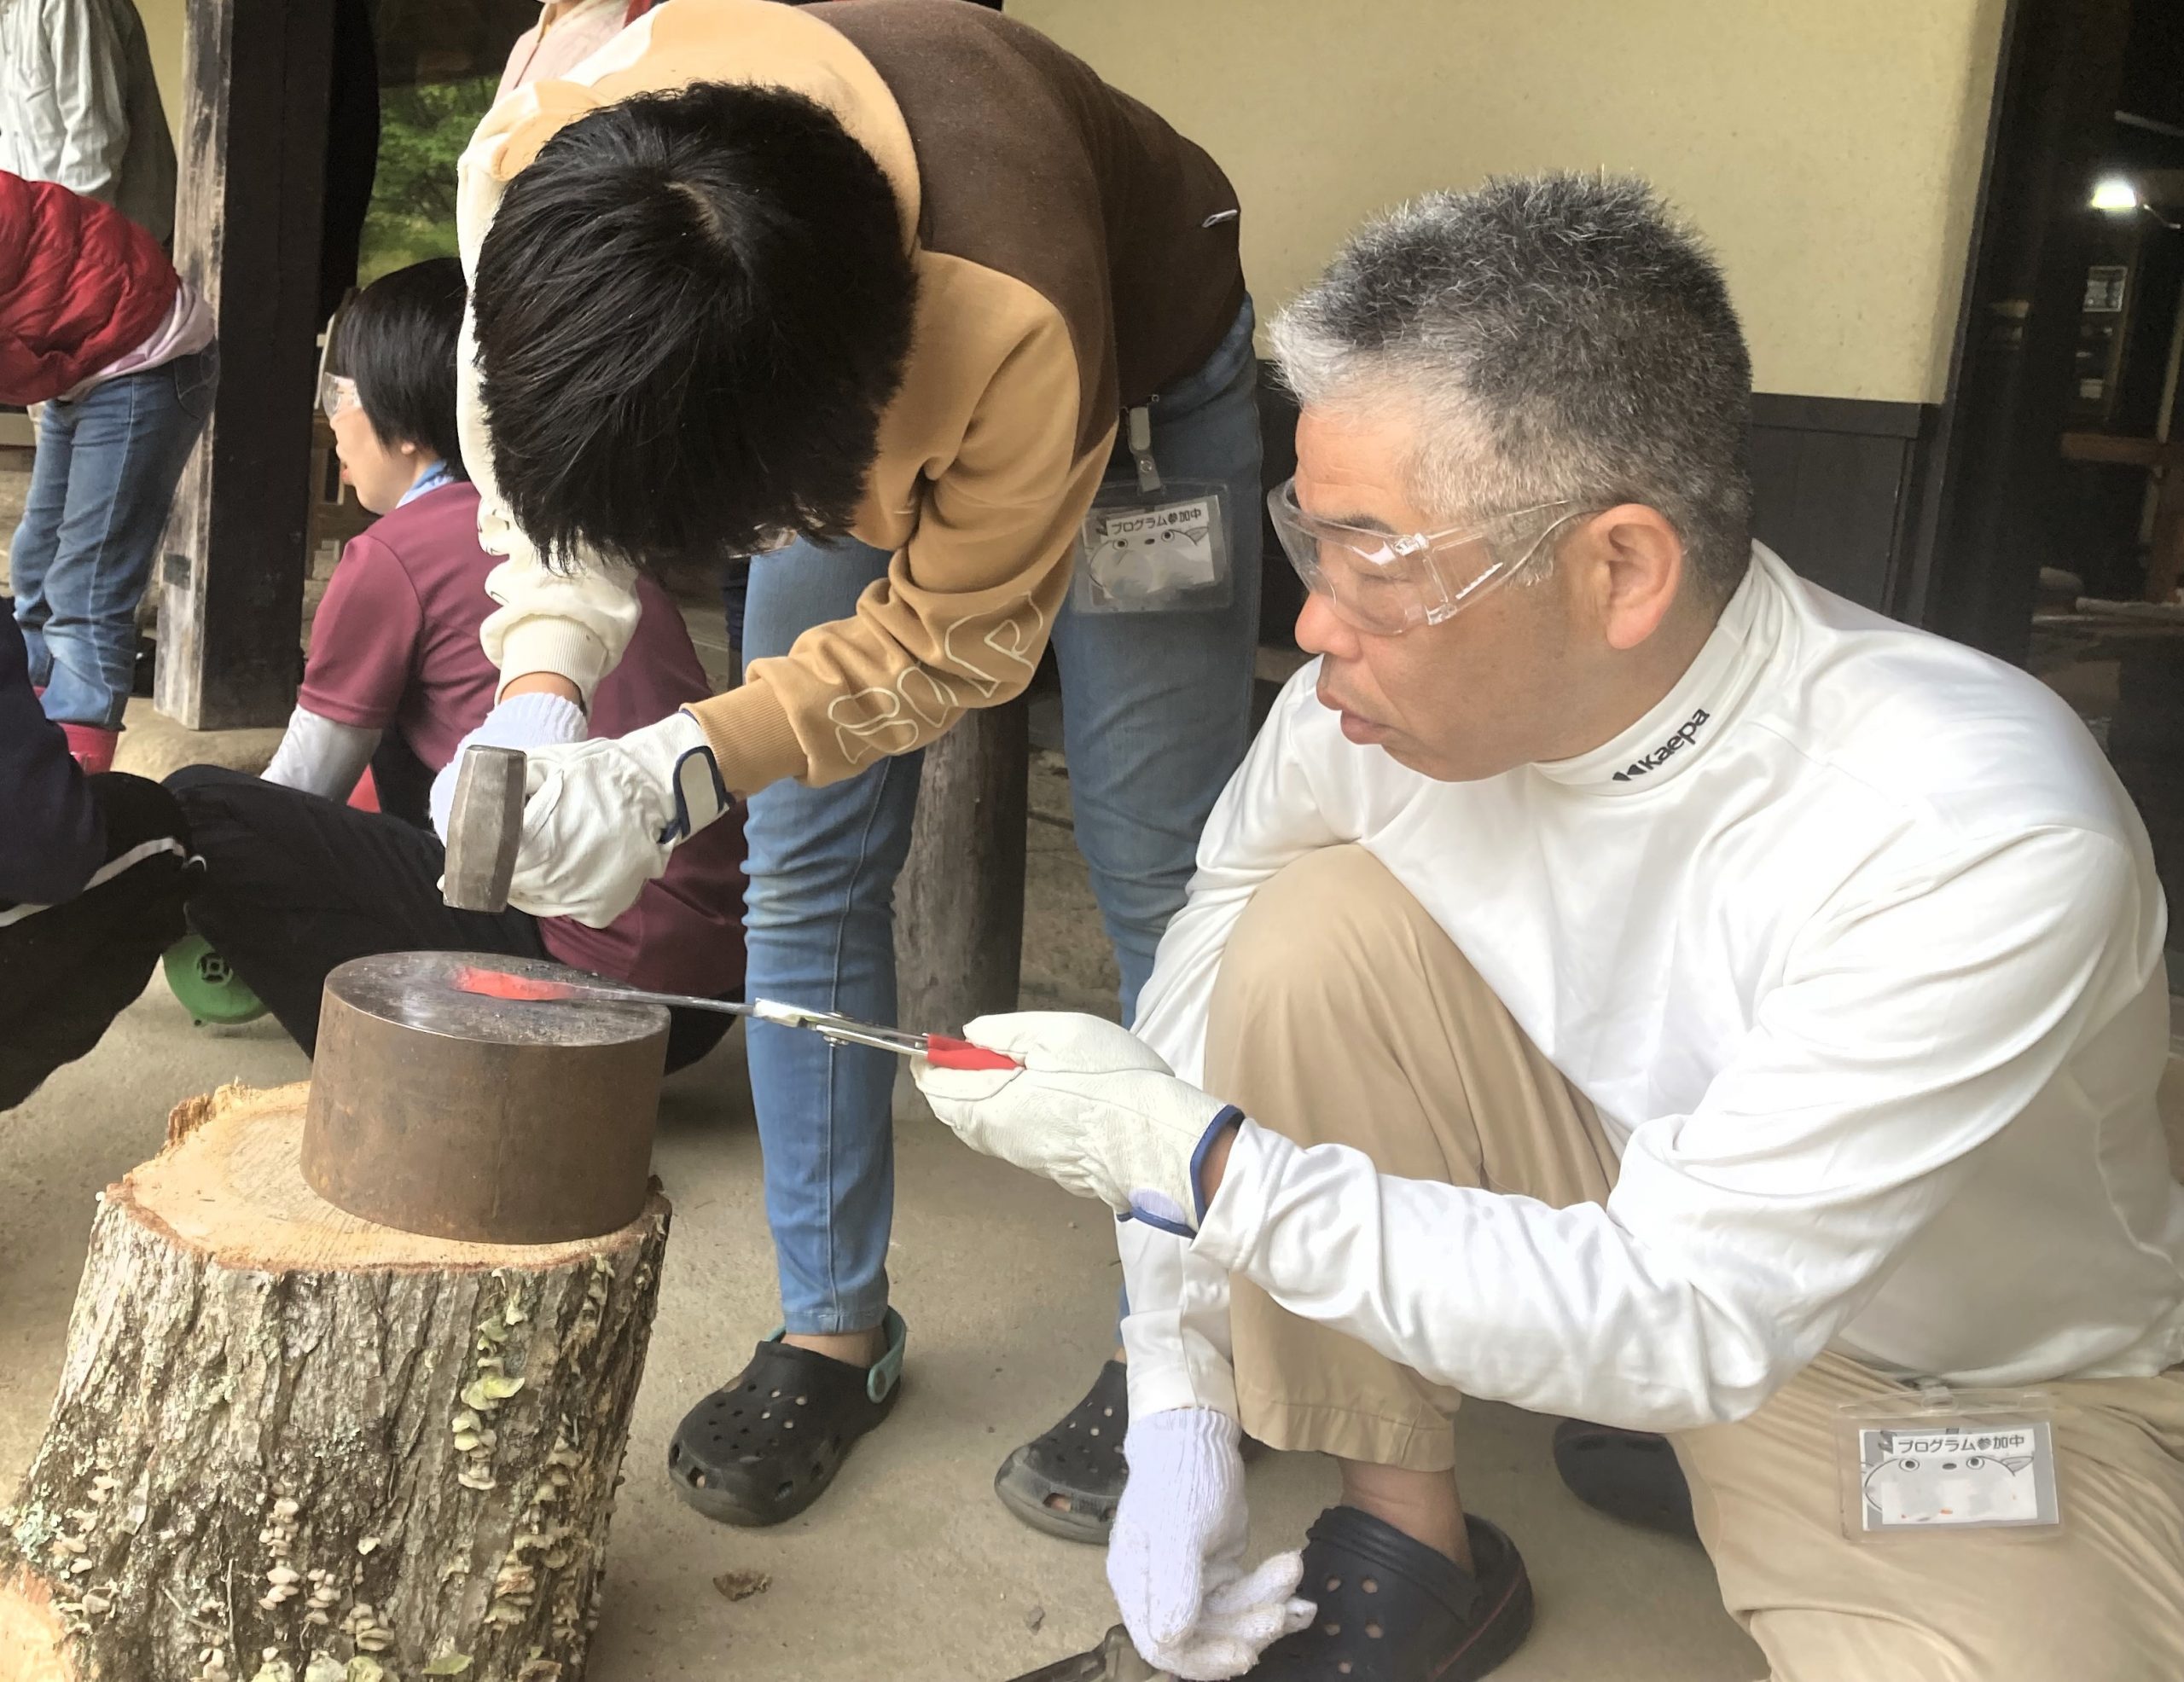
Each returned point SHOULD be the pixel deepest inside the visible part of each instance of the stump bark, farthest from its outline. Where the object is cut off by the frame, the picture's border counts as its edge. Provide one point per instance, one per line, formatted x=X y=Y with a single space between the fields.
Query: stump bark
x=291 y=1446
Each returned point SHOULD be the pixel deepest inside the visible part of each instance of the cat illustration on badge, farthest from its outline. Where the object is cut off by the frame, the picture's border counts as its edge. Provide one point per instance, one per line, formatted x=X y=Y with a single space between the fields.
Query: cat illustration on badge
x=1950 y=1487
x=1146 y=554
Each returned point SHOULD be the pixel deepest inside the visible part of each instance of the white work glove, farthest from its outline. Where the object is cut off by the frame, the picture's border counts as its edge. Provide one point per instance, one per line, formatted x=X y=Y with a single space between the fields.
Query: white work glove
x=1094 y=1109
x=1175 y=1560
x=600 y=817
x=526 y=721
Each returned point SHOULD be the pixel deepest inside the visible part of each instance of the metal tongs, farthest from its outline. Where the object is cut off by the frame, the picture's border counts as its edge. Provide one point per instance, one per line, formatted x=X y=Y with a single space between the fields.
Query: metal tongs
x=943 y=1051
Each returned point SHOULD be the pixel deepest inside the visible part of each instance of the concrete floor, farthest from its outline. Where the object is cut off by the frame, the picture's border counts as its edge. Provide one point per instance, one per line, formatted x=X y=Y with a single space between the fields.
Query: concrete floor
x=909 y=1570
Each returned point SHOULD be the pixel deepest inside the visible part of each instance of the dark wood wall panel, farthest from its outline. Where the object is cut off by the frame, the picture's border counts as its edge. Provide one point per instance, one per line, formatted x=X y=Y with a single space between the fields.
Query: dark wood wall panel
x=1835 y=486
x=1833 y=481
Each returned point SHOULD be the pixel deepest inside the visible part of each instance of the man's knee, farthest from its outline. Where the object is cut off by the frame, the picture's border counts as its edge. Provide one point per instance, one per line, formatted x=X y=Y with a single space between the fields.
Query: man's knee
x=1318 y=930
x=1323 y=1021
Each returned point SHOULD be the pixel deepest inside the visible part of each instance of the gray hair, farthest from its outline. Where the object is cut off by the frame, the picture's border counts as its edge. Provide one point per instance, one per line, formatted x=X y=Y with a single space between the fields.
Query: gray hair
x=1564 y=339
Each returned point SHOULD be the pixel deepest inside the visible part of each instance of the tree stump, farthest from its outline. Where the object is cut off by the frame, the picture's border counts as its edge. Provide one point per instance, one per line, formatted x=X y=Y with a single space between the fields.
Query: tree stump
x=291 y=1446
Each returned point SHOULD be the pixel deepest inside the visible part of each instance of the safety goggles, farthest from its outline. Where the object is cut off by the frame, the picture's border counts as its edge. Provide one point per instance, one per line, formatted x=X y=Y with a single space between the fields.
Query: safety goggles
x=1383 y=583
x=336 y=392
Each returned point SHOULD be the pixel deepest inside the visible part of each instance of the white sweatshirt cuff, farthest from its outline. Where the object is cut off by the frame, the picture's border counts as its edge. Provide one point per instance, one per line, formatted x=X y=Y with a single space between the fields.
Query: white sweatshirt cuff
x=1176 y=1332
x=1167 y=1371
x=1229 y=1235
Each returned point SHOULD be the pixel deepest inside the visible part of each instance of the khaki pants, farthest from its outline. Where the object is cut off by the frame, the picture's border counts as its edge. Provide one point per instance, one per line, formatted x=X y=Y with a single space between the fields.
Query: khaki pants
x=1344 y=1013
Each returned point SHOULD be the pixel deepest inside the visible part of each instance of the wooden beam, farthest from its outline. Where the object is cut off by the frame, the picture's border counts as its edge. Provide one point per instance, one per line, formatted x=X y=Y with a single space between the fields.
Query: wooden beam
x=247 y=233
x=959 y=902
x=2165 y=555
x=2117 y=450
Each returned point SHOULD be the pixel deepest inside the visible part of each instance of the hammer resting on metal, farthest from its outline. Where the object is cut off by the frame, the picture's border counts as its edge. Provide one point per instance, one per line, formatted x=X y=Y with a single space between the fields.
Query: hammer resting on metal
x=485 y=828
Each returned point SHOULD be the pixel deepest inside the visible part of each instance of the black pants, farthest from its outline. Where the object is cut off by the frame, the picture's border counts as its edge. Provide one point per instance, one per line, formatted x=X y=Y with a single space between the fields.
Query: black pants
x=67 y=971
x=295 y=886
x=405 y=787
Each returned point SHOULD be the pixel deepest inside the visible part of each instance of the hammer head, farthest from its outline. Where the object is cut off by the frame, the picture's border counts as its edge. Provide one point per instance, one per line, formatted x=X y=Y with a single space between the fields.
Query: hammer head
x=484 y=828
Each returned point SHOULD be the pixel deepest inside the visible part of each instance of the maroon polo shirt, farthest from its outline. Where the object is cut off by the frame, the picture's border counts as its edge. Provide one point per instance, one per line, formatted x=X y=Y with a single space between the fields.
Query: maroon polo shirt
x=395 y=647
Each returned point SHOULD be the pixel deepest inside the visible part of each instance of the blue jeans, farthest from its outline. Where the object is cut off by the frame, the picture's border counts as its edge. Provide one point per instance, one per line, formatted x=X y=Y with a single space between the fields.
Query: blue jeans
x=107 y=468
x=1156 y=710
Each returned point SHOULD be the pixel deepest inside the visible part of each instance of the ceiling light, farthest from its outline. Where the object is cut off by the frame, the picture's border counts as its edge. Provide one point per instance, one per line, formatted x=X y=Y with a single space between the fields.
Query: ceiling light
x=2114 y=193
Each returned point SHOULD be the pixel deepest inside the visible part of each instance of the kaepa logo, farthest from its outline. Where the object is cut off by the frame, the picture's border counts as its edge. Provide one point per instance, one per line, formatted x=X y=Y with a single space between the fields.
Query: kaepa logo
x=1661 y=755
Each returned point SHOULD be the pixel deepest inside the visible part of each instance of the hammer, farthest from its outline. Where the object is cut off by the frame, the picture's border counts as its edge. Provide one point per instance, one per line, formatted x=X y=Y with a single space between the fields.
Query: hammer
x=484 y=828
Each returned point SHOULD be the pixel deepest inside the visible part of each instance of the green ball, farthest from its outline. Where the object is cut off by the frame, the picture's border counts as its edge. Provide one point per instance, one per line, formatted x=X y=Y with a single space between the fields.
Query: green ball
x=209 y=990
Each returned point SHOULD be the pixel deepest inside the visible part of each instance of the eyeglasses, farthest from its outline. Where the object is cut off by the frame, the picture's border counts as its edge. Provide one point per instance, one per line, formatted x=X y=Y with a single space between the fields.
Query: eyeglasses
x=336 y=392
x=1383 y=584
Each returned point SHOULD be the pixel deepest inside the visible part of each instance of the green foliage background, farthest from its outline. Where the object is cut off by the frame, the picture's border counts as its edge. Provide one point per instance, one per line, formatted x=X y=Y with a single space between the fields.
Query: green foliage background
x=422 y=131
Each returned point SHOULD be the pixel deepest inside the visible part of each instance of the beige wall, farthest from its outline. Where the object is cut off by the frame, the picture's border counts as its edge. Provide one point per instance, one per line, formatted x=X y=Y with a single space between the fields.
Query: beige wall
x=163 y=23
x=1829 y=149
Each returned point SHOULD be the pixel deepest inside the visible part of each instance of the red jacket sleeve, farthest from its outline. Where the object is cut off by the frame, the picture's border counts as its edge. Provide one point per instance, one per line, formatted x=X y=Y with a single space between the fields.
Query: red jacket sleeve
x=81 y=285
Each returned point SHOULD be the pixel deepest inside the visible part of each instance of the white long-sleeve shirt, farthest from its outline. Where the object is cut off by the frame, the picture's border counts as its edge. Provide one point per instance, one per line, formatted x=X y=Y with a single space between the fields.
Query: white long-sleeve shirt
x=79 y=105
x=1856 y=943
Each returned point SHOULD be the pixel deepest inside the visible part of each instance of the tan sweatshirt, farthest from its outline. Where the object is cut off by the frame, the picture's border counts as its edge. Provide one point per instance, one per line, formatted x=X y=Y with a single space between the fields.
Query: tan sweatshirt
x=1073 y=254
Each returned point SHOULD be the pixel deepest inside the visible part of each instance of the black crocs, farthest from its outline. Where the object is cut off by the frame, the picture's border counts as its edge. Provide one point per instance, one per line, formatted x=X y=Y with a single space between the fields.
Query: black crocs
x=1068 y=1481
x=1391 y=1609
x=766 y=1446
x=1632 y=1475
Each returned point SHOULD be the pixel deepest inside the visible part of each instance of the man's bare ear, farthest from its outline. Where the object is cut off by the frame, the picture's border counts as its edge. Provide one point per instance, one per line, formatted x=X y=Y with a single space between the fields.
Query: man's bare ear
x=1629 y=567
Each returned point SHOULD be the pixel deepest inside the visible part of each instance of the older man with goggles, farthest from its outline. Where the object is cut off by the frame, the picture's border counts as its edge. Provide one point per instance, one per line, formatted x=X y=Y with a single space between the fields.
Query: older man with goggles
x=1627 y=981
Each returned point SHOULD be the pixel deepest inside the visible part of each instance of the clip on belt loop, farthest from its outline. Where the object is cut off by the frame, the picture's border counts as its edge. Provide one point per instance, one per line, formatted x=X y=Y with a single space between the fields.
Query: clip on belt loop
x=1140 y=448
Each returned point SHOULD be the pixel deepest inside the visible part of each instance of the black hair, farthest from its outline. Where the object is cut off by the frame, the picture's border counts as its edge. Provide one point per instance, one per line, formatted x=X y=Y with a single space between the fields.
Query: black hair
x=397 y=341
x=691 y=310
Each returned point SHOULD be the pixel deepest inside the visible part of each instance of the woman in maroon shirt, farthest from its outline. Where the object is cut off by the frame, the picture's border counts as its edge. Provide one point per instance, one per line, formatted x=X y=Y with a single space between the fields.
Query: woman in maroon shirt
x=296 y=881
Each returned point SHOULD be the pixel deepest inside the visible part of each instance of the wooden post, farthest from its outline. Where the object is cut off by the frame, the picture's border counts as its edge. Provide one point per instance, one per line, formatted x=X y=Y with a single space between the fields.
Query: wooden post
x=247 y=233
x=291 y=1446
x=959 y=902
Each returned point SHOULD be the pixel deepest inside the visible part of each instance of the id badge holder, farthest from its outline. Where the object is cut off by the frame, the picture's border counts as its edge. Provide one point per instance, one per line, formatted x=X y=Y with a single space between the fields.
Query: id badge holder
x=1161 y=546
x=1936 y=1461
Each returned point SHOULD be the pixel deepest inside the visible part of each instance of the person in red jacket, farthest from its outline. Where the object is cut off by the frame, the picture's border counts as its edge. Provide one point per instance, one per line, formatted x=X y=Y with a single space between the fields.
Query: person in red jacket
x=95 y=324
